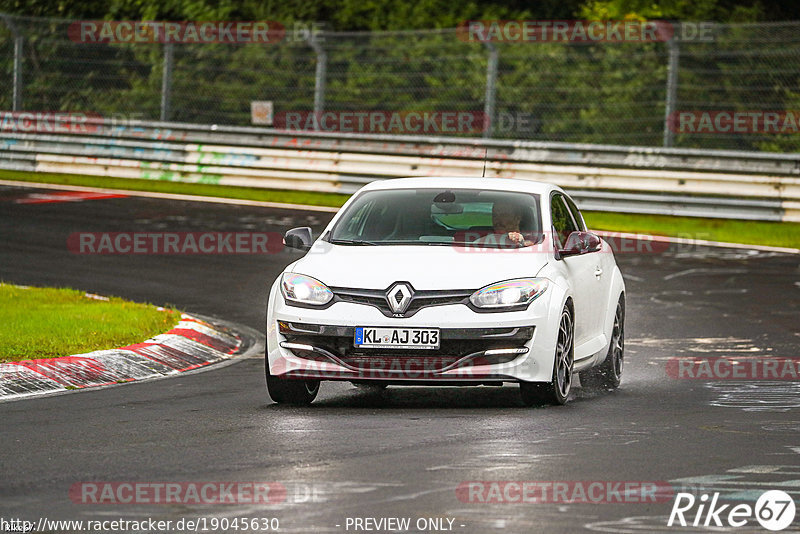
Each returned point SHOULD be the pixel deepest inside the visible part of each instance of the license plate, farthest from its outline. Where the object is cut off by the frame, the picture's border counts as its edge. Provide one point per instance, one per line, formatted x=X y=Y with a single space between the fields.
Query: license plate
x=397 y=338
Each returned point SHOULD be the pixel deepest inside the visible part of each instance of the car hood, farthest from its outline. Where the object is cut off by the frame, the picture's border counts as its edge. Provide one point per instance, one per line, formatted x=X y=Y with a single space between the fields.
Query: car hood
x=424 y=267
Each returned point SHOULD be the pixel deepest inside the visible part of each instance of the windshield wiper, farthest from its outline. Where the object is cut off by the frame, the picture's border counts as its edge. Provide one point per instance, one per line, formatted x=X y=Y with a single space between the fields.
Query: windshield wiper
x=351 y=242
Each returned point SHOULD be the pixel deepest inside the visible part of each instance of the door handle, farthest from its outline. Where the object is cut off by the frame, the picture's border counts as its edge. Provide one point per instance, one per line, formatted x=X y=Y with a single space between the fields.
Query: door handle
x=598 y=272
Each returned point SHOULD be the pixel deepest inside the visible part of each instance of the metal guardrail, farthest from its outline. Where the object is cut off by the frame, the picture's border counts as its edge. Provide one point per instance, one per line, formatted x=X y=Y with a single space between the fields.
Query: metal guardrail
x=708 y=183
x=713 y=207
x=550 y=152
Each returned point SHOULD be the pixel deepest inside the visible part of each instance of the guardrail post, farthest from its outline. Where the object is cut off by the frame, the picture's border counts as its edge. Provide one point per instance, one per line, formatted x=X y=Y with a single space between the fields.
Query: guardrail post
x=672 y=90
x=166 y=82
x=17 y=98
x=19 y=43
x=491 y=86
x=320 y=76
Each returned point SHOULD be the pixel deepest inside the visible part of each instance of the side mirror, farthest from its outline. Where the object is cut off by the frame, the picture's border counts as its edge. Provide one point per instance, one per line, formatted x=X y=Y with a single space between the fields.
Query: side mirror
x=299 y=238
x=580 y=243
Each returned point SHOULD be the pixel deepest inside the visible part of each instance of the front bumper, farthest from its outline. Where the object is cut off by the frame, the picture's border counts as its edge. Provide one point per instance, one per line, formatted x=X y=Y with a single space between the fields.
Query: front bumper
x=461 y=349
x=475 y=347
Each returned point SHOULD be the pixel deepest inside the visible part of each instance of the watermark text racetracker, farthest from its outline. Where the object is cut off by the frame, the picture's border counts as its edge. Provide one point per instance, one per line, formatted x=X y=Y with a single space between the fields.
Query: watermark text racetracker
x=175 y=243
x=733 y=368
x=48 y=122
x=383 y=121
x=66 y=122
x=412 y=122
x=211 y=492
x=583 y=31
x=486 y=241
x=130 y=31
x=735 y=122
x=564 y=492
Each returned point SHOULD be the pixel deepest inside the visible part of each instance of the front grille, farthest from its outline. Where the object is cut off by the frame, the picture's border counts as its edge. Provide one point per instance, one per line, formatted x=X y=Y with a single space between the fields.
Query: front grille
x=455 y=343
x=419 y=299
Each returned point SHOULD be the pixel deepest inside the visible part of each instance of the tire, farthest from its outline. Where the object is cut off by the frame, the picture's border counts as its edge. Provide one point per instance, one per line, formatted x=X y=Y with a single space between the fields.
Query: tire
x=608 y=374
x=290 y=391
x=556 y=391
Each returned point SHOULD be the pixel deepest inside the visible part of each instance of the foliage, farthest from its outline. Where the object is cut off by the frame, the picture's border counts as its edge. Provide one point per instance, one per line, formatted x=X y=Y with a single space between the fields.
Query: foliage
x=597 y=93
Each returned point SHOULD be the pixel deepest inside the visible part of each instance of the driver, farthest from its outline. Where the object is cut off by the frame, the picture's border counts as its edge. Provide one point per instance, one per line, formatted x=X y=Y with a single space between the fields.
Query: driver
x=506 y=218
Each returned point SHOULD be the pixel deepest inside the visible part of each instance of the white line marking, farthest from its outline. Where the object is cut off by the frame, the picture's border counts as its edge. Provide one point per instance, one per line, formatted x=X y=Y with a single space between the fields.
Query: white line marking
x=172 y=196
x=695 y=242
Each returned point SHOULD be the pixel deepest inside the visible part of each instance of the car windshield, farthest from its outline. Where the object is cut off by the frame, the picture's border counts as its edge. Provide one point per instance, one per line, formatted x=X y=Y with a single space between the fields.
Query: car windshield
x=464 y=217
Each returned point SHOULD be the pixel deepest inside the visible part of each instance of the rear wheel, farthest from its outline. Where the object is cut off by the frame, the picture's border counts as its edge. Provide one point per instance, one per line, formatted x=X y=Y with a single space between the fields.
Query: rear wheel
x=290 y=391
x=608 y=374
x=557 y=390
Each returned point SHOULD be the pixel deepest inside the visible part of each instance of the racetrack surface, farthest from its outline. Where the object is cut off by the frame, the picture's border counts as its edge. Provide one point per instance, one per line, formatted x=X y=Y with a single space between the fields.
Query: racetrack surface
x=402 y=454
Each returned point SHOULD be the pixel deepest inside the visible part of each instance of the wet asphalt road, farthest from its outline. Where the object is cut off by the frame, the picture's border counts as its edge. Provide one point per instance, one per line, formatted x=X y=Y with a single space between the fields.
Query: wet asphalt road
x=403 y=454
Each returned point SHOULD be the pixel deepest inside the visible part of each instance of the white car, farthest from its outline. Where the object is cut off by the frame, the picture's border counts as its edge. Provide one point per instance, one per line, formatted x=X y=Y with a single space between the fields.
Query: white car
x=448 y=281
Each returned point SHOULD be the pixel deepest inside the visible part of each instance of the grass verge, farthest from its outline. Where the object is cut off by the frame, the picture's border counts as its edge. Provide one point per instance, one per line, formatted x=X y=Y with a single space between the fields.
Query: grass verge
x=727 y=230
x=180 y=188
x=49 y=322
x=776 y=234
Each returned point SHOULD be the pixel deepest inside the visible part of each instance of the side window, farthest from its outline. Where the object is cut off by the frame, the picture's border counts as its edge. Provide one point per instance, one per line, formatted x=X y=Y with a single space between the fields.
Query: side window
x=563 y=225
x=576 y=214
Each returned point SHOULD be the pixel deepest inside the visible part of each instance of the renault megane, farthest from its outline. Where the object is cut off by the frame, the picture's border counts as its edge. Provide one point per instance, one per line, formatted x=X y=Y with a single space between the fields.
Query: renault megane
x=448 y=281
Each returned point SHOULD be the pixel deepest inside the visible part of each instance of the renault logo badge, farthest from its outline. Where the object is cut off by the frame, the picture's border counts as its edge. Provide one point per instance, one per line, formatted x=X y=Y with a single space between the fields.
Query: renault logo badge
x=399 y=297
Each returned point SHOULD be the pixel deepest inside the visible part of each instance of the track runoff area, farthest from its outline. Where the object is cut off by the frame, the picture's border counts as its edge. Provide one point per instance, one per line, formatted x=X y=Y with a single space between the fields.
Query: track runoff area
x=702 y=431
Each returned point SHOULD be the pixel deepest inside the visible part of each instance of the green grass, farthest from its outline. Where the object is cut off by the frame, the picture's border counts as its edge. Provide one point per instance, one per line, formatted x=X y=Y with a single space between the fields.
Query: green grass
x=48 y=322
x=776 y=234
x=727 y=230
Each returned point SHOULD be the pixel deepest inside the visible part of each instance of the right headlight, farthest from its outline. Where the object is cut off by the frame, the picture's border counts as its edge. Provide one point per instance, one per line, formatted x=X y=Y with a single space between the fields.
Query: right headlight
x=509 y=294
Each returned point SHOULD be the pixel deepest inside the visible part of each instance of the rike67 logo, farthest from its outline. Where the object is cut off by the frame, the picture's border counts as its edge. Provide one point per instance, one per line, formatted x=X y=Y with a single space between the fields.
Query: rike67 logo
x=774 y=510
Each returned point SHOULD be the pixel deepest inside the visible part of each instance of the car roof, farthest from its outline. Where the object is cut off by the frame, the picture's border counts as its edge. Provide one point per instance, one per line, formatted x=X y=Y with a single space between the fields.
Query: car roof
x=464 y=182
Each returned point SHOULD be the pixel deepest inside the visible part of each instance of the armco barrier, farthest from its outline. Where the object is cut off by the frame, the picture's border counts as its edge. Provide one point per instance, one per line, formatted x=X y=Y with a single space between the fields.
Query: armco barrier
x=727 y=184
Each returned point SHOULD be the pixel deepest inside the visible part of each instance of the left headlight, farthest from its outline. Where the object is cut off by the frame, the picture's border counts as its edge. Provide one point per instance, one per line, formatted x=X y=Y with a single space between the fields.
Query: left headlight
x=303 y=289
x=509 y=294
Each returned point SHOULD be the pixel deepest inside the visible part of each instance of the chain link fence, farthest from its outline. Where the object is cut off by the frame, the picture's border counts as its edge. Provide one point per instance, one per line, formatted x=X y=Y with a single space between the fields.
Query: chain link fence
x=603 y=92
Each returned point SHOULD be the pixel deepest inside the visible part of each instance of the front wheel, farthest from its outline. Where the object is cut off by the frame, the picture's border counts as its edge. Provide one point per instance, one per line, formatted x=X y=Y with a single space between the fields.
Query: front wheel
x=557 y=390
x=608 y=374
x=290 y=391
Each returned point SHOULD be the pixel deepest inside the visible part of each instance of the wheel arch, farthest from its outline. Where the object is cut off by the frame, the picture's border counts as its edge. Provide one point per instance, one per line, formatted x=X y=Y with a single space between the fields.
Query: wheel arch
x=617 y=291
